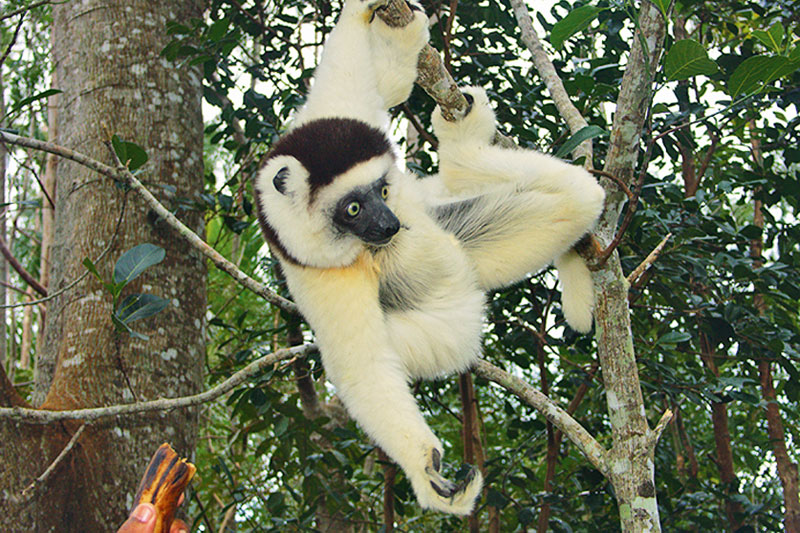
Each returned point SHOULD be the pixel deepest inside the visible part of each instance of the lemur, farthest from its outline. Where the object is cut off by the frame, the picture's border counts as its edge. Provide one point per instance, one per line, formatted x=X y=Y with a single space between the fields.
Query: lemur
x=390 y=270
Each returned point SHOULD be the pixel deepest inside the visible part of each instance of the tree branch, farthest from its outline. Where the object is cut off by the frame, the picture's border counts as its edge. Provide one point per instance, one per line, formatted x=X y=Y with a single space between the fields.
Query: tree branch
x=552 y=81
x=124 y=175
x=42 y=416
x=552 y=412
x=649 y=260
x=28 y=491
x=17 y=266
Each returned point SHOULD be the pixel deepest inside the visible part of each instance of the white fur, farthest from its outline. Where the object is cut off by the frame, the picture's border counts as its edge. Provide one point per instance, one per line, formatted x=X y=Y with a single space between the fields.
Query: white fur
x=552 y=205
x=414 y=307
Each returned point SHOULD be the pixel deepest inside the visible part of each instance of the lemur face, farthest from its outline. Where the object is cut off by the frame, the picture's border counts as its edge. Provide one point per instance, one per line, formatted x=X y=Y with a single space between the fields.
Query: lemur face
x=325 y=191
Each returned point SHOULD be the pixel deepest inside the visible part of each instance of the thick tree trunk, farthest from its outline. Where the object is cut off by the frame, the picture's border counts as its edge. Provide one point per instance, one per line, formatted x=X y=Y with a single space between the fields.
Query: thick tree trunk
x=113 y=80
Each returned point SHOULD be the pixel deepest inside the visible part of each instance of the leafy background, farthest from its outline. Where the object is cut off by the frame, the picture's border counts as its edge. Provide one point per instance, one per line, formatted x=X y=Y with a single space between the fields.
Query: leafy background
x=721 y=136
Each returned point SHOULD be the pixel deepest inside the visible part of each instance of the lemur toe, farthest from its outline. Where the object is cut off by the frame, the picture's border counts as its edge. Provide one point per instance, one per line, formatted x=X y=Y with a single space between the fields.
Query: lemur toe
x=414 y=6
x=447 y=489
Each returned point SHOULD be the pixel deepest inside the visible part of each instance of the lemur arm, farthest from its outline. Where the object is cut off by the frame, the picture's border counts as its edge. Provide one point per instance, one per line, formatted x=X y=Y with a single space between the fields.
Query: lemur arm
x=342 y=306
x=366 y=66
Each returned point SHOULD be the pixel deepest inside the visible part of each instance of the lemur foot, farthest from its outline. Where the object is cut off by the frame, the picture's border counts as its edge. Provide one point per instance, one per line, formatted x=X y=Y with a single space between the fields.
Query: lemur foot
x=445 y=495
x=475 y=123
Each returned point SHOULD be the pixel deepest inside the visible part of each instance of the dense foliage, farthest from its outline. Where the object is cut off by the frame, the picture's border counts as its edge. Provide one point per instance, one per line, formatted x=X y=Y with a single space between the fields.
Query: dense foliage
x=718 y=173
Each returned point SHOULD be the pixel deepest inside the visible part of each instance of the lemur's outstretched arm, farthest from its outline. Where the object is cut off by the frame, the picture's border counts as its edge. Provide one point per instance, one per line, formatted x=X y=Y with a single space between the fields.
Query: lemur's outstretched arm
x=366 y=66
x=370 y=379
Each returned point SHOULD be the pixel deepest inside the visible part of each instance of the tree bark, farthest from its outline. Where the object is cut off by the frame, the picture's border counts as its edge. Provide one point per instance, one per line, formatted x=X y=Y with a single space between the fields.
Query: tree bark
x=107 y=60
x=631 y=466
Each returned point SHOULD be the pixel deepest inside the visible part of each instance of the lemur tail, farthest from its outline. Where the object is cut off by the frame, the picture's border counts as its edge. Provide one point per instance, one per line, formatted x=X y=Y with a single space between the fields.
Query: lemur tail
x=577 y=291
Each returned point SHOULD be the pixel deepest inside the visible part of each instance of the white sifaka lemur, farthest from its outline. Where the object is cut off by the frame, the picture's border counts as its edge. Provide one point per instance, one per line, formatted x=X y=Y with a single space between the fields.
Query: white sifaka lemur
x=390 y=270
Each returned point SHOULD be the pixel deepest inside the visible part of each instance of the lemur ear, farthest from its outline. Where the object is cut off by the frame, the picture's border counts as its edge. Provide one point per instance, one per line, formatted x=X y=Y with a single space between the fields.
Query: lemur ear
x=282 y=176
x=279 y=181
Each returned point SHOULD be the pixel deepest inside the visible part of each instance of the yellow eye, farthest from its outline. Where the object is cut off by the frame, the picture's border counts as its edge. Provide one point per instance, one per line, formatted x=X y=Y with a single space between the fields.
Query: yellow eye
x=385 y=192
x=353 y=209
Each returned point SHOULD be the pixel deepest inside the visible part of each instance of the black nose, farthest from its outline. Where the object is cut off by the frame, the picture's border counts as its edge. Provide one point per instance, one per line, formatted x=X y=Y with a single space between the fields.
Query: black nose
x=391 y=228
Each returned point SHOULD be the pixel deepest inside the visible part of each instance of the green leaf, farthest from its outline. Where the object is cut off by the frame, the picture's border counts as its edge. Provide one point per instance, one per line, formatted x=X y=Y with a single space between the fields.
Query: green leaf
x=91 y=268
x=687 y=58
x=31 y=99
x=757 y=70
x=751 y=231
x=139 y=306
x=132 y=155
x=772 y=38
x=218 y=29
x=583 y=134
x=135 y=261
x=674 y=337
x=577 y=20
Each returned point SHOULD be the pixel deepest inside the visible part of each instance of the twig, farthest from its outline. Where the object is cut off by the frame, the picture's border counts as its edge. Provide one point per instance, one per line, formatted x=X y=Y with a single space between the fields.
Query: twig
x=13 y=40
x=42 y=416
x=27 y=492
x=16 y=265
x=551 y=411
x=16 y=12
x=615 y=179
x=124 y=176
x=52 y=295
x=417 y=126
x=649 y=260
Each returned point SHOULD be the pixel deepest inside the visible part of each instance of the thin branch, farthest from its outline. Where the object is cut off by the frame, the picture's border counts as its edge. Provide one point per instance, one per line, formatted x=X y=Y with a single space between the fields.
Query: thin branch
x=447 y=34
x=17 y=266
x=660 y=427
x=42 y=416
x=412 y=118
x=13 y=40
x=52 y=295
x=16 y=12
x=633 y=203
x=551 y=411
x=27 y=492
x=123 y=175
x=649 y=260
x=552 y=81
x=616 y=180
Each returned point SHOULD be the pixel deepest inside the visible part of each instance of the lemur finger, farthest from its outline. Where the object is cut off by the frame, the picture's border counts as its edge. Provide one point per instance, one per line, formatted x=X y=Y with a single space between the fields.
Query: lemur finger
x=460 y=114
x=415 y=6
x=376 y=5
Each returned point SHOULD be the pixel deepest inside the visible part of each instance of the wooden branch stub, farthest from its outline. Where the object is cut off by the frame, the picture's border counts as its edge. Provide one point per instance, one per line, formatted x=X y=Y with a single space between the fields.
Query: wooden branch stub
x=164 y=481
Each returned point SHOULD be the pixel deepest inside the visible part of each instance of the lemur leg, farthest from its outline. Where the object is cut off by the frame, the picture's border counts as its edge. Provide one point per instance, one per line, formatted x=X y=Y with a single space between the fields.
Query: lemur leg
x=395 y=52
x=371 y=380
x=518 y=198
